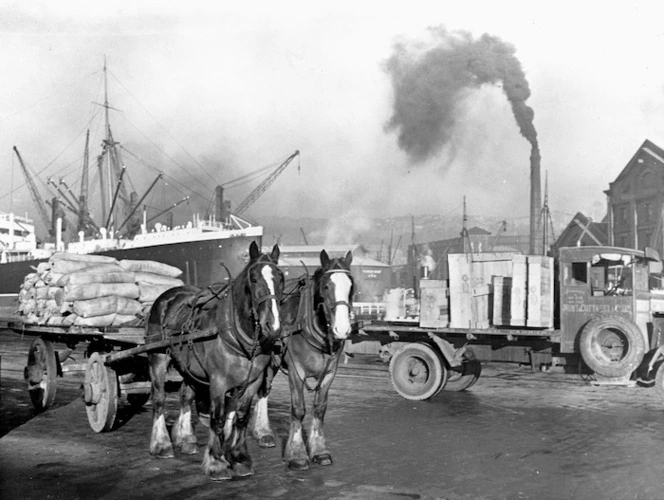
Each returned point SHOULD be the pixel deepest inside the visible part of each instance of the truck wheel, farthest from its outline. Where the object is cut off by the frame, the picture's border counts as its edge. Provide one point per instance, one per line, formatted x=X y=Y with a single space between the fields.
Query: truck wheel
x=464 y=376
x=612 y=347
x=659 y=382
x=417 y=372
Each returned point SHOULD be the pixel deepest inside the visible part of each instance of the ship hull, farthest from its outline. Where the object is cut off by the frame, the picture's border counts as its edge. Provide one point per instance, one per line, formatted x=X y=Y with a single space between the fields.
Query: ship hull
x=200 y=261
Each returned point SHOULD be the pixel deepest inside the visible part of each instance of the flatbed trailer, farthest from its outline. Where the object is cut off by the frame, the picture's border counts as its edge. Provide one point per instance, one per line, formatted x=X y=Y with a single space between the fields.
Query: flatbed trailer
x=425 y=361
x=114 y=366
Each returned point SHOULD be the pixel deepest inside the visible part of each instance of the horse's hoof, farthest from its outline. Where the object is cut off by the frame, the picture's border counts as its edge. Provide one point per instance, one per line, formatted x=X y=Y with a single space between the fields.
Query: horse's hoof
x=242 y=470
x=162 y=452
x=188 y=448
x=220 y=474
x=298 y=464
x=267 y=442
x=323 y=459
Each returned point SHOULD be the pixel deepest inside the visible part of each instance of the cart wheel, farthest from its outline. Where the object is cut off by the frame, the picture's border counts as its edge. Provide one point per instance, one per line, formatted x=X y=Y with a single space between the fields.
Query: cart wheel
x=41 y=373
x=417 y=372
x=100 y=393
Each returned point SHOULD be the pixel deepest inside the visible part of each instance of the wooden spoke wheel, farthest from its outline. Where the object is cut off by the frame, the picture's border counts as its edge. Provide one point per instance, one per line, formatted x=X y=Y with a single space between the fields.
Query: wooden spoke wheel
x=417 y=372
x=100 y=393
x=40 y=373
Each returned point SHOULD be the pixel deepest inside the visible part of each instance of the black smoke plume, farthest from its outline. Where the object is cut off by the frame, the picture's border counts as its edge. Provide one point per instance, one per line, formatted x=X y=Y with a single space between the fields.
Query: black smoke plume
x=430 y=80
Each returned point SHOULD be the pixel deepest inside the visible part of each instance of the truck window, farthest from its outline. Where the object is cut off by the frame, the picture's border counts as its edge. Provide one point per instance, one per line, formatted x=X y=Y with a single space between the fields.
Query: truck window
x=576 y=273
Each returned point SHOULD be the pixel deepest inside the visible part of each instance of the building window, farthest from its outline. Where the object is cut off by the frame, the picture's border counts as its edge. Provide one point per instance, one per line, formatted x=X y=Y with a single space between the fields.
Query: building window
x=623 y=215
x=647 y=212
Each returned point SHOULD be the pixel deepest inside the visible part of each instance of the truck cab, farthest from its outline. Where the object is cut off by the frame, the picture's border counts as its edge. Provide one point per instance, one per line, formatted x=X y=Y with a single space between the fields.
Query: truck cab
x=604 y=304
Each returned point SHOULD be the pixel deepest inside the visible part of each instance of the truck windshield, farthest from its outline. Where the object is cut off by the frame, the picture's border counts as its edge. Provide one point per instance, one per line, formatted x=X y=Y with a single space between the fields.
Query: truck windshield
x=611 y=275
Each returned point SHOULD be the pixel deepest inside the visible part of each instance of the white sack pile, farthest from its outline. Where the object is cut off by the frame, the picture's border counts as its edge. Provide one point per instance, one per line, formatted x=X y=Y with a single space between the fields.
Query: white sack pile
x=93 y=290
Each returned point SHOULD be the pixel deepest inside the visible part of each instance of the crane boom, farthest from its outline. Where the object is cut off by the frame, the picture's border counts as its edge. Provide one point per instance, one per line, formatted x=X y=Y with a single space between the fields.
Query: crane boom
x=262 y=187
x=36 y=198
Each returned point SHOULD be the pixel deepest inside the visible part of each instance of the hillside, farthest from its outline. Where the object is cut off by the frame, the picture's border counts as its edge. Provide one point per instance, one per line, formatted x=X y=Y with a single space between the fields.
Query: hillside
x=373 y=232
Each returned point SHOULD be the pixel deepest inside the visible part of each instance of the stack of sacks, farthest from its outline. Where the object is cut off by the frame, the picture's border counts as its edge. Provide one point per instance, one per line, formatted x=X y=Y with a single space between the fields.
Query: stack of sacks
x=93 y=290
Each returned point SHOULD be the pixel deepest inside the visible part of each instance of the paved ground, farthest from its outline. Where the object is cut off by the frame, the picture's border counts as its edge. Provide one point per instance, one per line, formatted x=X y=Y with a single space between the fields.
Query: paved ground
x=513 y=435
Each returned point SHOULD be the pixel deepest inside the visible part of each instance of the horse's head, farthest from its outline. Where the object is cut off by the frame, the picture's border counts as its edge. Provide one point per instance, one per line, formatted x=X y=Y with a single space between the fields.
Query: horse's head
x=334 y=291
x=265 y=285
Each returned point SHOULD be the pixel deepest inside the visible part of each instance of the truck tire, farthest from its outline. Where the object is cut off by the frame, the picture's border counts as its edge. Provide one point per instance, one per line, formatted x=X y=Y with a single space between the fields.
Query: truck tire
x=464 y=376
x=659 y=382
x=417 y=372
x=612 y=346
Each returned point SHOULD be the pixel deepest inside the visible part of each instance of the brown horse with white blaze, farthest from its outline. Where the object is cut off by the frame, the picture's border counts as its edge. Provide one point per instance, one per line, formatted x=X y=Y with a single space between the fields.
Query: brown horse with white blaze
x=316 y=312
x=243 y=320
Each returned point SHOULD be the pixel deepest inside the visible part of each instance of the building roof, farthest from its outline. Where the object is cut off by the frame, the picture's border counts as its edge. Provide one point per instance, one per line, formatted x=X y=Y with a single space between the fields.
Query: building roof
x=478 y=230
x=582 y=231
x=332 y=250
x=652 y=151
x=314 y=262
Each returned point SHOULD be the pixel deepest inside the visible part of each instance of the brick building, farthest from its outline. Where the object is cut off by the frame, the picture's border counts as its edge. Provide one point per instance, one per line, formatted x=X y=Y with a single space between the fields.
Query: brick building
x=635 y=201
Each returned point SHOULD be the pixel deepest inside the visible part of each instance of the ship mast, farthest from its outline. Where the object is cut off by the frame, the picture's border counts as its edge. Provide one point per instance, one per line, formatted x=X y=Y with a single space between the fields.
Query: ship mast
x=114 y=170
x=83 y=197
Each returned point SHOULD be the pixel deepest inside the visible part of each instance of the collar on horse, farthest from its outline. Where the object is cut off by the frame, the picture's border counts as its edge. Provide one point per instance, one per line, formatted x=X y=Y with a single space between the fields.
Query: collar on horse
x=319 y=337
x=248 y=343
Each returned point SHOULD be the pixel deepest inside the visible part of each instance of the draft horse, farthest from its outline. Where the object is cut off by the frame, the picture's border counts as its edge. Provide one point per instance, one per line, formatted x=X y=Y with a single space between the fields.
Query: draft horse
x=243 y=319
x=316 y=315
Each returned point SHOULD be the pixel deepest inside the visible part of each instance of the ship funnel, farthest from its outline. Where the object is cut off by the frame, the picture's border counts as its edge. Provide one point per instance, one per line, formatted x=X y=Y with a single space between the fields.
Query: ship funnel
x=222 y=208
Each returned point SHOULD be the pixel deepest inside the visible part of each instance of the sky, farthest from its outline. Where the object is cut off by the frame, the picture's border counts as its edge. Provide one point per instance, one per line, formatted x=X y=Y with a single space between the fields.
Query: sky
x=209 y=91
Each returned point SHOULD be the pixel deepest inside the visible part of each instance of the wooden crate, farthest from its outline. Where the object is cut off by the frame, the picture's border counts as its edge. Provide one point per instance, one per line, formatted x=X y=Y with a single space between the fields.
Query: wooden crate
x=481 y=296
x=434 y=309
x=470 y=286
x=460 y=290
x=540 y=291
x=519 y=291
x=502 y=292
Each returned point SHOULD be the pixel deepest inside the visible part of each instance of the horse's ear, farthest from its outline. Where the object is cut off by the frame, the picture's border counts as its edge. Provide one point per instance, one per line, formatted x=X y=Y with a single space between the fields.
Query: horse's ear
x=324 y=258
x=349 y=258
x=254 y=251
x=275 y=253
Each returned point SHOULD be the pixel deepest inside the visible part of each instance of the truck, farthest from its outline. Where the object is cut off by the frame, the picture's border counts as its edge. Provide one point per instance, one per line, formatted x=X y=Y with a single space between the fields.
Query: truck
x=596 y=307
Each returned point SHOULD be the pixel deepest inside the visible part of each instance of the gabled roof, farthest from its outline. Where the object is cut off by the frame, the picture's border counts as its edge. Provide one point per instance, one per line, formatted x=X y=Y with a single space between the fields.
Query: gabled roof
x=648 y=147
x=478 y=230
x=583 y=231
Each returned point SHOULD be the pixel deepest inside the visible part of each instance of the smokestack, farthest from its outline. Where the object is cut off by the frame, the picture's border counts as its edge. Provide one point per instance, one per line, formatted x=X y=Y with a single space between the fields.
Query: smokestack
x=222 y=207
x=536 y=242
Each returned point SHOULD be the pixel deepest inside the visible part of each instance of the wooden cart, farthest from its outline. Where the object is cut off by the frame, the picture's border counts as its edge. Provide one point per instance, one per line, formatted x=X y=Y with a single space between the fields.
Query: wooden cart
x=114 y=367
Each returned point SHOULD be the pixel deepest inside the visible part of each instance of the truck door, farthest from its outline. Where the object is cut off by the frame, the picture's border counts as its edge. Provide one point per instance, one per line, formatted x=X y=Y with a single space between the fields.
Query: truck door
x=591 y=288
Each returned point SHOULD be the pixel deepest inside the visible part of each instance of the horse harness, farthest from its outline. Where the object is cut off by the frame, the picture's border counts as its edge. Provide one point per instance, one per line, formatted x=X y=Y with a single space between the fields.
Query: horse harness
x=306 y=323
x=206 y=299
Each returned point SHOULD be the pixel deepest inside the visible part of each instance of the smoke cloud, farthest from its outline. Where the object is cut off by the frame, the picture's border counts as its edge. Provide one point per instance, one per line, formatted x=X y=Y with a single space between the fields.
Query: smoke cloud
x=431 y=80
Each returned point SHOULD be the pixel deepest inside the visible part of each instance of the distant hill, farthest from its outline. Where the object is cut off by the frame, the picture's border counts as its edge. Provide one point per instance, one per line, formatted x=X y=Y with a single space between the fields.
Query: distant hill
x=373 y=232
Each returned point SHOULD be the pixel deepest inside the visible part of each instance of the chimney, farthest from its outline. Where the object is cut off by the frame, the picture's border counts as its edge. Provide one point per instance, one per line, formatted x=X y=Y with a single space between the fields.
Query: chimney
x=222 y=208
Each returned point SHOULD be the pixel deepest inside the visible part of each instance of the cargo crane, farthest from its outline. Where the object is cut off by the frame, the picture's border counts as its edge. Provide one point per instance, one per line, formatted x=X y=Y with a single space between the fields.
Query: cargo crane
x=34 y=192
x=262 y=187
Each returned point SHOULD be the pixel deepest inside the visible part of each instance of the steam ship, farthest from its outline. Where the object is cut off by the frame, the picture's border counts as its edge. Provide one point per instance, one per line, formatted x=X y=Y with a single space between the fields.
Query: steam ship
x=197 y=247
